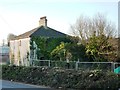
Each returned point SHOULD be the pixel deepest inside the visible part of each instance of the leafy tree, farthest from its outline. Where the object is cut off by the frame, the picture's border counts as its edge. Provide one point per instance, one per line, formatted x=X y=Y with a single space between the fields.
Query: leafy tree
x=73 y=51
x=59 y=52
x=77 y=51
x=99 y=48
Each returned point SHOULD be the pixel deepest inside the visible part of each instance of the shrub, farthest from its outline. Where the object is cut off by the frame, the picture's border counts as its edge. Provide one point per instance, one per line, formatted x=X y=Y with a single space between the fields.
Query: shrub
x=60 y=78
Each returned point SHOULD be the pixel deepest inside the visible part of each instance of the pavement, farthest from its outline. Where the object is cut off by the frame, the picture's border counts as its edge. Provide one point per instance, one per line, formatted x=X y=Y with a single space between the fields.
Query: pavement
x=9 y=85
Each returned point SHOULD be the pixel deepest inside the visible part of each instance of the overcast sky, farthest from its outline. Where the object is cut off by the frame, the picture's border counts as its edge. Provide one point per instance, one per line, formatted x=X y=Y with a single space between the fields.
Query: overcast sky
x=19 y=16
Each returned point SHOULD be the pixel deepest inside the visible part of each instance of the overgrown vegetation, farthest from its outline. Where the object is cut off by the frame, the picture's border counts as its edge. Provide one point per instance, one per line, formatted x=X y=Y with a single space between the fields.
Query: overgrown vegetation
x=92 y=42
x=58 y=48
x=46 y=45
x=60 y=78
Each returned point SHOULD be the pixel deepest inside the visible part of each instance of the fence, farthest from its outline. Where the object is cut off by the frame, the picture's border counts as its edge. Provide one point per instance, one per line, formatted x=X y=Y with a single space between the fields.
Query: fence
x=76 y=65
x=105 y=66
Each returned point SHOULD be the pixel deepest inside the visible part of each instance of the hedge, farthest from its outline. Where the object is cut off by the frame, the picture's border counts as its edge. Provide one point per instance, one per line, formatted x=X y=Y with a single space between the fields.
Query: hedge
x=62 y=79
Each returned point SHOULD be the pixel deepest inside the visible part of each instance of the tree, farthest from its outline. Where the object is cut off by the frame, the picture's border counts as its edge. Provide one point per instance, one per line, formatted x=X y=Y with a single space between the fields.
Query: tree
x=77 y=51
x=86 y=27
x=95 y=34
x=10 y=37
x=72 y=51
x=59 y=52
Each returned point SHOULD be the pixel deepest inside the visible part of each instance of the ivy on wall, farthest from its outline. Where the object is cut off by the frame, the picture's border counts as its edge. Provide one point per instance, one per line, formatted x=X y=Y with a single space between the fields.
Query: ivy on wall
x=46 y=45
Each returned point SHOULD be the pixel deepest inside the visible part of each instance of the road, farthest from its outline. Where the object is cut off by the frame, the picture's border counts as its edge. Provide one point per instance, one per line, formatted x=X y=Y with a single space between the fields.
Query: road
x=8 y=85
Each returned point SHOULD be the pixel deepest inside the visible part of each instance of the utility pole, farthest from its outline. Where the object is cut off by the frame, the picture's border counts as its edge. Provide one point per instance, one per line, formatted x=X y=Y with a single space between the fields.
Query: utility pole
x=3 y=42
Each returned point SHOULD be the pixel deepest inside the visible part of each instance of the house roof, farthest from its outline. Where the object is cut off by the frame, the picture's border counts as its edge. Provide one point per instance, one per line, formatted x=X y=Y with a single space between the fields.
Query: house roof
x=41 y=31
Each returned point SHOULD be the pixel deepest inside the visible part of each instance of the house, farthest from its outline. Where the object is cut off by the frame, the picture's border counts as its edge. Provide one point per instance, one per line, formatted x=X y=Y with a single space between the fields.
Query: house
x=20 y=53
x=4 y=54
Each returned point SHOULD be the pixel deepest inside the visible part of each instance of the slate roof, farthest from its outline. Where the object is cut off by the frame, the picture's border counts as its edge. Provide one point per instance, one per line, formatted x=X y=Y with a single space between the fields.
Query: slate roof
x=41 y=31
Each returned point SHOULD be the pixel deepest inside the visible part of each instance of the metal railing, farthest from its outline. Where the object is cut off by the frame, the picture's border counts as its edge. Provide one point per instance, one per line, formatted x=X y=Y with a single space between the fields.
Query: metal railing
x=76 y=65
x=95 y=65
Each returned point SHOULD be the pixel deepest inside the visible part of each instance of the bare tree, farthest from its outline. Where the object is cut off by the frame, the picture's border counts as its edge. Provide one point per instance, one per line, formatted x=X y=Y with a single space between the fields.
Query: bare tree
x=81 y=28
x=86 y=27
x=10 y=36
x=103 y=27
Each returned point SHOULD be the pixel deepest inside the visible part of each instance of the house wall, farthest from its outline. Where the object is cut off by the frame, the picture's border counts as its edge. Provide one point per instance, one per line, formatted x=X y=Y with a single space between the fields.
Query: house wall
x=19 y=50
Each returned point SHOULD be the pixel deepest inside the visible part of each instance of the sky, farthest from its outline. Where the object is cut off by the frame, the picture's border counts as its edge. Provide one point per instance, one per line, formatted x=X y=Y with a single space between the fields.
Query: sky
x=19 y=16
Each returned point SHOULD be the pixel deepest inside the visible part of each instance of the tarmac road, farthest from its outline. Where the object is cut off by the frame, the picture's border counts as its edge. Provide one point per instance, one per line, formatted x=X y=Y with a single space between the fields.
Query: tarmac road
x=8 y=85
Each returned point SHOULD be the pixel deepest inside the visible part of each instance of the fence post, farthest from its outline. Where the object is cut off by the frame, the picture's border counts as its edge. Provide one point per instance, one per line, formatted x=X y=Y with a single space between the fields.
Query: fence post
x=49 y=63
x=113 y=66
x=76 y=65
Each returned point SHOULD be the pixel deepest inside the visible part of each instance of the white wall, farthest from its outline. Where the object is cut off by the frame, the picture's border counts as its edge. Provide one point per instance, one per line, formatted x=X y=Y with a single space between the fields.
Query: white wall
x=20 y=48
x=24 y=49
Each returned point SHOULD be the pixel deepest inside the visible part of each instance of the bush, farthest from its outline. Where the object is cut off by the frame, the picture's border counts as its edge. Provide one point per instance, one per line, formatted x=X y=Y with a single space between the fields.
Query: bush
x=59 y=78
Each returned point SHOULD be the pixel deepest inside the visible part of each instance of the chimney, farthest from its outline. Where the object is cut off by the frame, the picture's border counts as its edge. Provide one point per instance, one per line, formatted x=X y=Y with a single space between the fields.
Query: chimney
x=43 y=21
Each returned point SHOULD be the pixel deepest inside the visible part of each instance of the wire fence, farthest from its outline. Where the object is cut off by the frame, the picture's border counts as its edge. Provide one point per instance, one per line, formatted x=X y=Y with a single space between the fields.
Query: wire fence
x=105 y=66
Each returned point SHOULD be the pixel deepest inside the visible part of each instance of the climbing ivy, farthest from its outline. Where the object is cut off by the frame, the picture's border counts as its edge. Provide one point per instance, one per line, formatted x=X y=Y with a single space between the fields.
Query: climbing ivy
x=46 y=45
